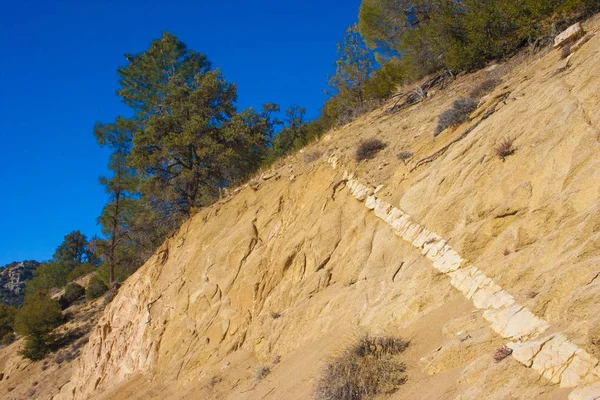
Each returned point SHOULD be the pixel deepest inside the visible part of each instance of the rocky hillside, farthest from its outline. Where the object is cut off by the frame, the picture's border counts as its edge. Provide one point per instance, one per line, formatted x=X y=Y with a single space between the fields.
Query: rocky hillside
x=12 y=281
x=485 y=259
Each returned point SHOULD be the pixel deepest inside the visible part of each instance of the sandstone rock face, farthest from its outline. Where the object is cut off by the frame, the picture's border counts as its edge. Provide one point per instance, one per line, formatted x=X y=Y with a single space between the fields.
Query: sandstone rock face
x=12 y=281
x=462 y=256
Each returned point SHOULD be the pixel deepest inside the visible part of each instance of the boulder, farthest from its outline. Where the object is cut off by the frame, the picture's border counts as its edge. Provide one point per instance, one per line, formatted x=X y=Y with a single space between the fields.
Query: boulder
x=569 y=35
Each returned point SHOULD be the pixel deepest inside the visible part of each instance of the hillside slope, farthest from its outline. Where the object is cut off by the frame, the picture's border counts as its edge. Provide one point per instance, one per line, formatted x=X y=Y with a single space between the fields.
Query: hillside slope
x=284 y=274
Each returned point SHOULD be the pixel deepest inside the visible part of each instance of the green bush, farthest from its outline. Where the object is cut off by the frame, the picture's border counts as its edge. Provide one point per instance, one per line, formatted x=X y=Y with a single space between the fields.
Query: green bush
x=7 y=320
x=73 y=292
x=36 y=320
x=80 y=271
x=95 y=288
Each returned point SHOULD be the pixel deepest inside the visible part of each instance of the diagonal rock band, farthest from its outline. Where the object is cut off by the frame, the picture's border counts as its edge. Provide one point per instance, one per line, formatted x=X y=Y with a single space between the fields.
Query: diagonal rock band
x=554 y=357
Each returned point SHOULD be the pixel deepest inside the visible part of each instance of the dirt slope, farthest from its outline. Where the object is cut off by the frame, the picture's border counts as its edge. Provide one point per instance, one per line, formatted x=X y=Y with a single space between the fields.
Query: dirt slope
x=283 y=275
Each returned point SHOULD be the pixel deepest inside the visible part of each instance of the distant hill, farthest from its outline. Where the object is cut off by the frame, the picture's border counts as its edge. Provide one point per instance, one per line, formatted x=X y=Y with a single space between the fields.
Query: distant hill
x=12 y=281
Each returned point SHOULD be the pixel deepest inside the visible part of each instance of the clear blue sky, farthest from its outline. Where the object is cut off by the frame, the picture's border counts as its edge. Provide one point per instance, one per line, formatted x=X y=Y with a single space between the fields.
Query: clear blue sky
x=58 y=62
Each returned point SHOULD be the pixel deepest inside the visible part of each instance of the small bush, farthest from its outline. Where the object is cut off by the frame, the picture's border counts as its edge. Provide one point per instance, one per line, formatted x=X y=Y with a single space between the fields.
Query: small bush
x=456 y=115
x=7 y=339
x=96 y=288
x=275 y=315
x=110 y=295
x=465 y=105
x=502 y=353
x=368 y=149
x=505 y=149
x=7 y=322
x=73 y=292
x=405 y=155
x=483 y=88
x=312 y=156
x=368 y=368
x=36 y=320
x=565 y=51
x=80 y=270
x=262 y=373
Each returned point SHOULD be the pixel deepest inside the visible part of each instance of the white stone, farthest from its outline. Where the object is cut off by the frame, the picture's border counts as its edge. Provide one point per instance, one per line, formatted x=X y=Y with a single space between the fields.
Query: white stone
x=524 y=352
x=401 y=224
x=378 y=189
x=362 y=194
x=578 y=369
x=382 y=209
x=571 y=34
x=524 y=325
x=492 y=297
x=552 y=359
x=393 y=215
x=420 y=240
x=412 y=232
x=434 y=251
x=449 y=261
x=371 y=202
x=515 y=321
x=591 y=392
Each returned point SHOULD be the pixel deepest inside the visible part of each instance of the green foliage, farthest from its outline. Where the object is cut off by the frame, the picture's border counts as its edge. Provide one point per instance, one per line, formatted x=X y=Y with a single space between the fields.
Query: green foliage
x=73 y=256
x=354 y=68
x=36 y=320
x=80 y=271
x=460 y=35
x=95 y=288
x=73 y=292
x=7 y=320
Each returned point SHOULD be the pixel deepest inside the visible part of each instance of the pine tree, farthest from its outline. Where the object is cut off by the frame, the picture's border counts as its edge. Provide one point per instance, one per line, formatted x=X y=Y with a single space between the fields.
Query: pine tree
x=118 y=215
x=355 y=65
x=189 y=143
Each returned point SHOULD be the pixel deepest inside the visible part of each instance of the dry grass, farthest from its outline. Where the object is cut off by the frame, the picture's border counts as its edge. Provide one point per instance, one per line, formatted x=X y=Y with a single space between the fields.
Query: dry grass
x=312 y=156
x=505 y=149
x=565 y=51
x=483 y=88
x=405 y=155
x=502 y=353
x=368 y=368
x=262 y=373
x=275 y=315
x=455 y=115
x=368 y=149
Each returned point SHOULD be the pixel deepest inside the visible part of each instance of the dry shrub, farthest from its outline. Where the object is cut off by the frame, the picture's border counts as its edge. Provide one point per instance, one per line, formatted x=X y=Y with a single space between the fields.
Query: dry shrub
x=368 y=368
x=483 y=88
x=505 y=149
x=312 y=156
x=262 y=373
x=405 y=155
x=275 y=315
x=368 y=149
x=214 y=381
x=502 y=353
x=565 y=51
x=456 y=115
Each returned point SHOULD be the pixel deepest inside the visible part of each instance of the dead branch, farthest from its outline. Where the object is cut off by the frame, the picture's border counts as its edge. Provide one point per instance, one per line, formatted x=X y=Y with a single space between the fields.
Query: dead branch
x=343 y=181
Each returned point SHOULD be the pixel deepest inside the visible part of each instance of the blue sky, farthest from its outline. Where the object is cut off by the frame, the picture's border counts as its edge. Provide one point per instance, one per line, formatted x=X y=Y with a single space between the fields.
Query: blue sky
x=58 y=62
